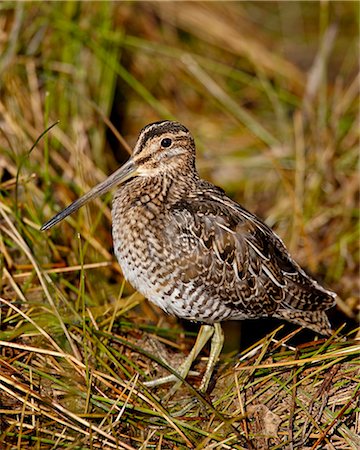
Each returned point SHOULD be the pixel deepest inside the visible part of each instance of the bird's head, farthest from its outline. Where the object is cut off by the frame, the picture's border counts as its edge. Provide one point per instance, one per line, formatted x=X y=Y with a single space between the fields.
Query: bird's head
x=163 y=148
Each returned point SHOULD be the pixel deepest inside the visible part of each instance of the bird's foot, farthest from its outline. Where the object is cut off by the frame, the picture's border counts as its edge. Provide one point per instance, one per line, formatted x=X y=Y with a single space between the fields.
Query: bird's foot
x=189 y=405
x=169 y=379
x=205 y=333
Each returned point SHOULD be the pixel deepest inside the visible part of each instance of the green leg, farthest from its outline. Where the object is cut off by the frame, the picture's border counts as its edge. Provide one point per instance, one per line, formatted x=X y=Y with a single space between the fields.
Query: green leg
x=217 y=343
x=205 y=333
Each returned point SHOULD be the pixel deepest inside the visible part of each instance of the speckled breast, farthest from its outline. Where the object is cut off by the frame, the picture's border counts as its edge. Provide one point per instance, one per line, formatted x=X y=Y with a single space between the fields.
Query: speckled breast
x=150 y=254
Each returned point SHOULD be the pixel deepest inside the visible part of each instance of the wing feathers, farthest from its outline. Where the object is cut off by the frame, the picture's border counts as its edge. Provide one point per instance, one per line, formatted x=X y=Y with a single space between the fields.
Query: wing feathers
x=241 y=259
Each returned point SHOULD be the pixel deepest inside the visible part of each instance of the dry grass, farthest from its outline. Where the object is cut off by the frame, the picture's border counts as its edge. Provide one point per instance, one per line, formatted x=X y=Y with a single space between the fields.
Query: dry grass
x=270 y=91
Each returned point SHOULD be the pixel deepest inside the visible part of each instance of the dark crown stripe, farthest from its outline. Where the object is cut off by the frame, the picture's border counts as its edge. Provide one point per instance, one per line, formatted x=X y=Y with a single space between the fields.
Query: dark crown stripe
x=157 y=129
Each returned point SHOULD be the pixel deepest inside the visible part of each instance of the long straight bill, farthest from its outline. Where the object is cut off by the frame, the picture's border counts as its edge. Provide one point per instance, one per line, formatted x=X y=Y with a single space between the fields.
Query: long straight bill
x=122 y=174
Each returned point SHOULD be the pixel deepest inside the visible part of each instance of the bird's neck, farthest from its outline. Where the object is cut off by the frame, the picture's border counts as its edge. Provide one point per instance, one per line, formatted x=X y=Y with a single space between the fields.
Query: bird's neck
x=170 y=188
x=163 y=189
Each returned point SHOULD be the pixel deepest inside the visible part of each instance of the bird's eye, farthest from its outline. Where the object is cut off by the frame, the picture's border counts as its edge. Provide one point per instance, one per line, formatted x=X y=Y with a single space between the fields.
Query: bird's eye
x=166 y=142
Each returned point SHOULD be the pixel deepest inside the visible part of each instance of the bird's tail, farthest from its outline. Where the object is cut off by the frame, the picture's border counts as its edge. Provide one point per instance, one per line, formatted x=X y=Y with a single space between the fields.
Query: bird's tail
x=314 y=320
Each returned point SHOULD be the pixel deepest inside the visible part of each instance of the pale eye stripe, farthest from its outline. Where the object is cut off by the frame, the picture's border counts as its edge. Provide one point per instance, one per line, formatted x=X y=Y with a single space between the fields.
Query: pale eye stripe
x=154 y=132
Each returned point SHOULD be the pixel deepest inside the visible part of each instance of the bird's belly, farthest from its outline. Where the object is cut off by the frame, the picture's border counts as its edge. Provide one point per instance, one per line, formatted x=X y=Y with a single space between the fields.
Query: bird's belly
x=153 y=271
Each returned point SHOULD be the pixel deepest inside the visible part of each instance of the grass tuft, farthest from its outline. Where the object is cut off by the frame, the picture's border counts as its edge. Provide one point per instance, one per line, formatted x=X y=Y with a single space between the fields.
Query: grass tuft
x=270 y=91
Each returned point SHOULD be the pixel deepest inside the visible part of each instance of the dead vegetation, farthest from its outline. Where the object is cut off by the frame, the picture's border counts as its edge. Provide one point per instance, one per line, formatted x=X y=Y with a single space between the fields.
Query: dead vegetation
x=270 y=91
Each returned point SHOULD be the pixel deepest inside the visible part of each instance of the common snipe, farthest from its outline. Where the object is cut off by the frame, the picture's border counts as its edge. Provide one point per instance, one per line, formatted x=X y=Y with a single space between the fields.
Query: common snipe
x=194 y=252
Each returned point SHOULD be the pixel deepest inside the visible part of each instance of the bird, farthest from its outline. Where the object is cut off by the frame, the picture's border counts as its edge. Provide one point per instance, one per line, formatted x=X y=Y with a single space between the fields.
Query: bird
x=196 y=253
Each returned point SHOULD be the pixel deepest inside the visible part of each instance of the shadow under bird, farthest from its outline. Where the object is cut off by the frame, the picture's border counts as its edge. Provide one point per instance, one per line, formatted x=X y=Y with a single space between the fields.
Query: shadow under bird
x=194 y=252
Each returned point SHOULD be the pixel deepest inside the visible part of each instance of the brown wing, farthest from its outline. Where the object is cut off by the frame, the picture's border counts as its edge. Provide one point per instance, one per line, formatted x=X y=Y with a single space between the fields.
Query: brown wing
x=240 y=259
